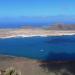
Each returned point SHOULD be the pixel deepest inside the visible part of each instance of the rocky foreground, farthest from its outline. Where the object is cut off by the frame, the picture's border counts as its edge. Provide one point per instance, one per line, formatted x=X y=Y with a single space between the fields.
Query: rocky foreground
x=25 y=66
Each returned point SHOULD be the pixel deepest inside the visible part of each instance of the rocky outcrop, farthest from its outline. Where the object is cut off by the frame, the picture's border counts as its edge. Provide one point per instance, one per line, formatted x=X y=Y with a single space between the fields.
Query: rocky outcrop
x=62 y=27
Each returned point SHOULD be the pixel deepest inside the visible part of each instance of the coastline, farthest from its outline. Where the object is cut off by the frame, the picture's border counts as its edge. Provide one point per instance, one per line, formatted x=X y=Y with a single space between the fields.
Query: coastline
x=29 y=66
x=30 y=32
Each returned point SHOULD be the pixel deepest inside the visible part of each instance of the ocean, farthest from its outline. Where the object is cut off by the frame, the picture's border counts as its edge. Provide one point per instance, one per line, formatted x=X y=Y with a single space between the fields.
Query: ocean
x=39 y=47
x=22 y=21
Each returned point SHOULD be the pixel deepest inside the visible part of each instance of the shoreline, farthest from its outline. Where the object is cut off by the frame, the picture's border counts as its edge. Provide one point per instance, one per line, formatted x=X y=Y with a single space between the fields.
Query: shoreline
x=30 y=32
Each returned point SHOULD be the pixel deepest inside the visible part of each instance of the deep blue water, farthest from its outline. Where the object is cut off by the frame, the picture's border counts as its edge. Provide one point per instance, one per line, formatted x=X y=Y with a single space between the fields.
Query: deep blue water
x=52 y=47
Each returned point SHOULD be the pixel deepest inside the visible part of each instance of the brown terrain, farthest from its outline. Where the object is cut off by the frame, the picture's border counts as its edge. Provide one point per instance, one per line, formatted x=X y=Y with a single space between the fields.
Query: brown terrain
x=22 y=65
x=25 y=66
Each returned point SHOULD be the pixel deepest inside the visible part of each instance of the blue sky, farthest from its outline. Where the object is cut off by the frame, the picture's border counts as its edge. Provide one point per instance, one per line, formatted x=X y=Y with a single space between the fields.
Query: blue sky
x=32 y=8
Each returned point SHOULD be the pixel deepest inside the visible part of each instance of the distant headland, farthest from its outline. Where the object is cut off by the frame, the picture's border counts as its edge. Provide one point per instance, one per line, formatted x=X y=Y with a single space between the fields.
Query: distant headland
x=29 y=31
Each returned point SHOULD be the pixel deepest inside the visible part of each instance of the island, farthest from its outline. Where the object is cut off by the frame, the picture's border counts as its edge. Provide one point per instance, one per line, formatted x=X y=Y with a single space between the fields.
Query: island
x=52 y=30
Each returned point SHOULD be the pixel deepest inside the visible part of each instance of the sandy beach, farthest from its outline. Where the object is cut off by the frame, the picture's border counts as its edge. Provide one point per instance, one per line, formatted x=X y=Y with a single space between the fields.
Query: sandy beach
x=7 y=33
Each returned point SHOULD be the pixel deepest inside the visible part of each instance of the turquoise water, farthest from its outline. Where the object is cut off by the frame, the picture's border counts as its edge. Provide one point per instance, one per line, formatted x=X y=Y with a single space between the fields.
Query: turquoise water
x=52 y=47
